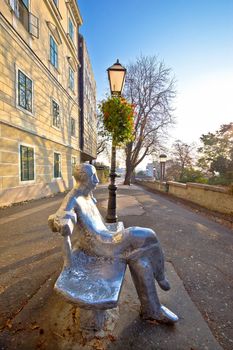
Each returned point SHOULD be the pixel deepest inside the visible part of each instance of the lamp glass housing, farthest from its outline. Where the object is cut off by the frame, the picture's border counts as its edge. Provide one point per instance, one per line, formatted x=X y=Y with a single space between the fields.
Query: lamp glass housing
x=116 y=77
x=162 y=158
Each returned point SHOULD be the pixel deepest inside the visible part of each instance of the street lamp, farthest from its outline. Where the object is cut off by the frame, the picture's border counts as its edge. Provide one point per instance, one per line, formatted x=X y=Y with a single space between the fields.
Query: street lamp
x=116 y=77
x=162 y=159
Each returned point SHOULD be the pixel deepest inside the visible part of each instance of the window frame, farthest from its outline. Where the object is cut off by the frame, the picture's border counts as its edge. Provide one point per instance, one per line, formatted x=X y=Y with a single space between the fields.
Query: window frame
x=71 y=25
x=27 y=181
x=72 y=134
x=73 y=164
x=71 y=79
x=18 y=106
x=52 y=110
x=52 y=40
x=60 y=173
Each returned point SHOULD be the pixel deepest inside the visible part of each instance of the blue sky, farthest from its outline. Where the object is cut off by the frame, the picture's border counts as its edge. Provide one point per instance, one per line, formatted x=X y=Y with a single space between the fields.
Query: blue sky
x=193 y=37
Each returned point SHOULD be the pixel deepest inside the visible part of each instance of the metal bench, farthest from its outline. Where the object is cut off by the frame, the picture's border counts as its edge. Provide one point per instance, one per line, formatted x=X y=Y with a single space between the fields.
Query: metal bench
x=92 y=283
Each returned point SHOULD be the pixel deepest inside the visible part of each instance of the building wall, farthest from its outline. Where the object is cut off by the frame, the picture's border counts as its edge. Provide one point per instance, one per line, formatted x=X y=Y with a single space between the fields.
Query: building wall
x=88 y=103
x=31 y=55
x=12 y=188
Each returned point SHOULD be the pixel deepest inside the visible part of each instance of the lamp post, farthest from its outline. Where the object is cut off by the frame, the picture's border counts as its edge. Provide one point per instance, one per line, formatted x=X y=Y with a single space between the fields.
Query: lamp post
x=162 y=159
x=116 y=77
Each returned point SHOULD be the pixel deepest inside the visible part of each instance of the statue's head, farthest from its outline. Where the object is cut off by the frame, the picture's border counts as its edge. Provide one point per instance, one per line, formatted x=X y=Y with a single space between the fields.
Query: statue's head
x=85 y=175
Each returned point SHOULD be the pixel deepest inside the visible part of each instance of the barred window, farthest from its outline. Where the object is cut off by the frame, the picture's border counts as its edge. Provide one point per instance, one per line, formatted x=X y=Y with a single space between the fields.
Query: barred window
x=24 y=91
x=53 y=52
x=56 y=114
x=26 y=163
x=57 y=165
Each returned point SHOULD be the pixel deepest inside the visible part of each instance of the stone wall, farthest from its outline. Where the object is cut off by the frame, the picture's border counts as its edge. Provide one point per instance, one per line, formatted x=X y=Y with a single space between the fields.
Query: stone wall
x=212 y=197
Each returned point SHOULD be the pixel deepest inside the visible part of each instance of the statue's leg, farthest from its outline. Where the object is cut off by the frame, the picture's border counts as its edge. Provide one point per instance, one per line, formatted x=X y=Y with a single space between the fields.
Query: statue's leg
x=143 y=277
x=153 y=251
x=157 y=261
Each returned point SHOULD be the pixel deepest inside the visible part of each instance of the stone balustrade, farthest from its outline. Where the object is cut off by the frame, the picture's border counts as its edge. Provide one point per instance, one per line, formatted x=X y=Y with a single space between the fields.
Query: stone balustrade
x=211 y=197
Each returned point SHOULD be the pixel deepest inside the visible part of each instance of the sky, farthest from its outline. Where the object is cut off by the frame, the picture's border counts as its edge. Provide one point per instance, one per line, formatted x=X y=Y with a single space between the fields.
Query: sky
x=193 y=37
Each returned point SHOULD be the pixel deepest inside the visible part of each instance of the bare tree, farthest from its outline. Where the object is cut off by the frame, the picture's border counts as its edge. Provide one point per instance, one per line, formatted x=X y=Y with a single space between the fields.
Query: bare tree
x=182 y=153
x=150 y=88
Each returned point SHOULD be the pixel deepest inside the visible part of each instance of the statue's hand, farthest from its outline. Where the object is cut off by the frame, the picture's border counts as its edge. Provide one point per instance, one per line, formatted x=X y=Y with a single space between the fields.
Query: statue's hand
x=63 y=223
x=53 y=224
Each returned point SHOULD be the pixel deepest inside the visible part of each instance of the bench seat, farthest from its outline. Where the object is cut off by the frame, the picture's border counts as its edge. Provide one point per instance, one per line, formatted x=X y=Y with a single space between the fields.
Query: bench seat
x=92 y=282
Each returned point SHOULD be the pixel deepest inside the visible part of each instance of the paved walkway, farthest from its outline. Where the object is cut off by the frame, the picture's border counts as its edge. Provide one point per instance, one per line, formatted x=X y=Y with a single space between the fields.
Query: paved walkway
x=34 y=317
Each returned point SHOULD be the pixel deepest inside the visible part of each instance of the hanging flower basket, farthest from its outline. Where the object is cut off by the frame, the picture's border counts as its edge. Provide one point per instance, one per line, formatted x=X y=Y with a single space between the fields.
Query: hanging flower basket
x=118 y=119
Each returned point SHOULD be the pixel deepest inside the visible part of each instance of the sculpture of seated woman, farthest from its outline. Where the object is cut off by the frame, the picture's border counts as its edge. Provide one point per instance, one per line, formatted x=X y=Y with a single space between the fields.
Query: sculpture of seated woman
x=138 y=247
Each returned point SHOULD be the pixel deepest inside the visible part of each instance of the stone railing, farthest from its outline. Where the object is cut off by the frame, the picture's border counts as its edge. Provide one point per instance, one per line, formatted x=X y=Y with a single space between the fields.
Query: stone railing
x=212 y=197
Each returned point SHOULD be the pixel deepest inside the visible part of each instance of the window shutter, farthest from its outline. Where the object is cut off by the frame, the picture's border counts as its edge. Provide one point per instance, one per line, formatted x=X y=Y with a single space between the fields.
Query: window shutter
x=34 y=25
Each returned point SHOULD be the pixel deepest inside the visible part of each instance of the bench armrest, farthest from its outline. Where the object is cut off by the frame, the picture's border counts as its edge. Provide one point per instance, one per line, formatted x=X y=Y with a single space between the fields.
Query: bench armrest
x=67 y=251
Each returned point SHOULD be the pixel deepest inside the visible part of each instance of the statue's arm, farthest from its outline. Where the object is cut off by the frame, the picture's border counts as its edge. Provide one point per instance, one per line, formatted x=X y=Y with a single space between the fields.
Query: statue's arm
x=65 y=218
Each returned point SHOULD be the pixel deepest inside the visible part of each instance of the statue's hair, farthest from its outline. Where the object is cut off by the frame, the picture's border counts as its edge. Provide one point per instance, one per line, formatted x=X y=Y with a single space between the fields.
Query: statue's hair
x=80 y=172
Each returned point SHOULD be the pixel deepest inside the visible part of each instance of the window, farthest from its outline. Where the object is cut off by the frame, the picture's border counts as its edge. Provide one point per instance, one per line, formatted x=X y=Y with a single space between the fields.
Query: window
x=73 y=163
x=28 y=20
x=71 y=79
x=26 y=3
x=53 y=52
x=57 y=165
x=55 y=2
x=24 y=91
x=72 y=126
x=26 y=163
x=56 y=115
x=71 y=30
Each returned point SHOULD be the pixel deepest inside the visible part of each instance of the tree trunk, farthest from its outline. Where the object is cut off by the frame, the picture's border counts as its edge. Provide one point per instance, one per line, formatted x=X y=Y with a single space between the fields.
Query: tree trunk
x=128 y=164
x=128 y=174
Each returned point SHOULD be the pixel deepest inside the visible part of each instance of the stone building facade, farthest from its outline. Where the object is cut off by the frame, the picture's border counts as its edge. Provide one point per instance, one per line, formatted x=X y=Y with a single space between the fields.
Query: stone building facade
x=39 y=97
x=87 y=102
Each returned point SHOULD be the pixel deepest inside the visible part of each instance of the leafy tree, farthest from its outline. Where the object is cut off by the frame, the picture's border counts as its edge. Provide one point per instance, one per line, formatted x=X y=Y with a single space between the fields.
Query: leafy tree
x=150 y=88
x=217 y=152
x=193 y=175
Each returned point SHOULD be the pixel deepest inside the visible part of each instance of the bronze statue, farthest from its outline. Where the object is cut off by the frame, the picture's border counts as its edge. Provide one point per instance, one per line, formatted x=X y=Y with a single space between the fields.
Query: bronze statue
x=138 y=247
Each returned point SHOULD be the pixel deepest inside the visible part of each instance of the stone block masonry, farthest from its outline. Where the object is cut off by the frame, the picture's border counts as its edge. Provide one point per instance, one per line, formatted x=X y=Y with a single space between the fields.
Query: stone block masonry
x=211 y=197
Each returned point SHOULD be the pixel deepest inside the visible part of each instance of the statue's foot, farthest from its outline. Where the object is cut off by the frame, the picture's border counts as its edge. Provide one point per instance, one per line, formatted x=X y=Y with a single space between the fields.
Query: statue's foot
x=164 y=315
x=164 y=284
